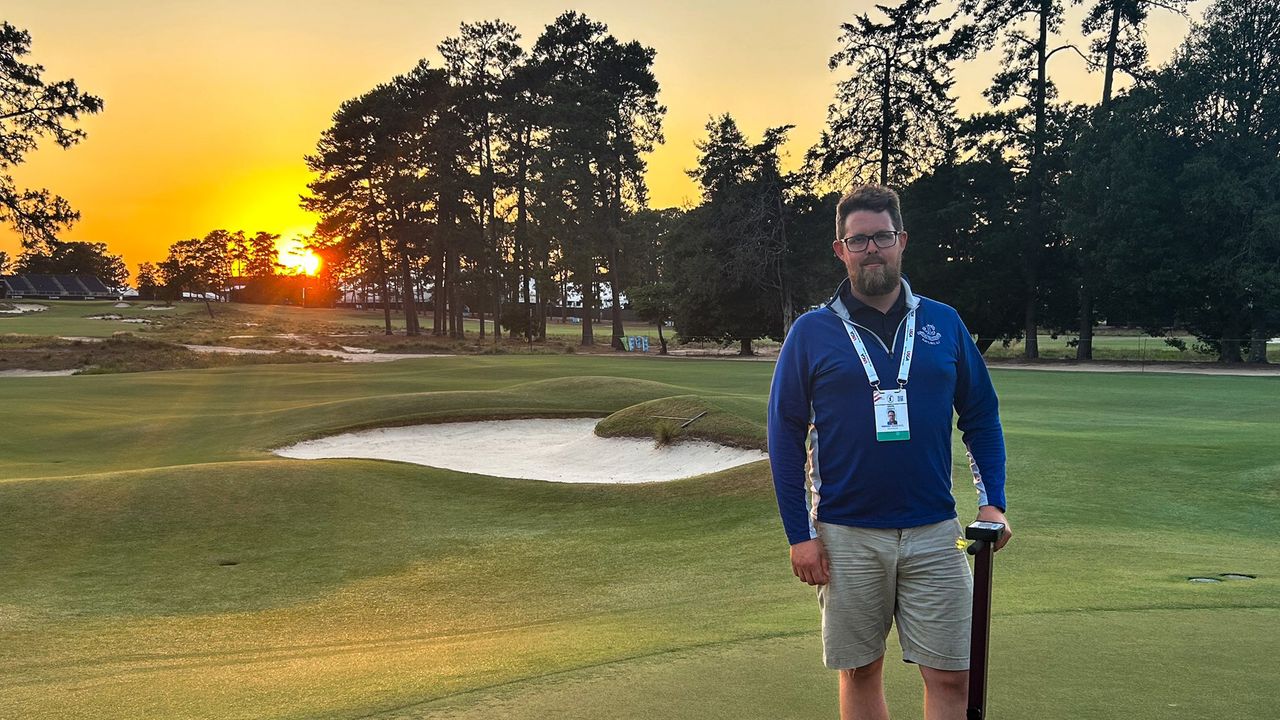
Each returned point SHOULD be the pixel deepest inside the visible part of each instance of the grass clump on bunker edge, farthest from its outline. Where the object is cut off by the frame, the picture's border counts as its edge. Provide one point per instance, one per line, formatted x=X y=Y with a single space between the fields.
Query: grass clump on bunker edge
x=684 y=417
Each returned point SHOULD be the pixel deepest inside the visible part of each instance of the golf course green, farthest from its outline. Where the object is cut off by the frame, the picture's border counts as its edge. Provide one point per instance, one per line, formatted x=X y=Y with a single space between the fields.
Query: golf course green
x=158 y=561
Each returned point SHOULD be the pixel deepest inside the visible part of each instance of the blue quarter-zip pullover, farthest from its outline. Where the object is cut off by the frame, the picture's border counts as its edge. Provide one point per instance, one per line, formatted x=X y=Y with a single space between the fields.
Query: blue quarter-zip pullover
x=828 y=465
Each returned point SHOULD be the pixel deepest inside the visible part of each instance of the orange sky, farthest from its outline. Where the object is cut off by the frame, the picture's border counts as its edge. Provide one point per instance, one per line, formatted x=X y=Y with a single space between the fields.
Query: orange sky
x=210 y=106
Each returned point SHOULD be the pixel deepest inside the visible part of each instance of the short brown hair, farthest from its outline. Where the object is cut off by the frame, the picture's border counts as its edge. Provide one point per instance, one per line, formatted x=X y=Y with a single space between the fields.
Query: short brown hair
x=873 y=198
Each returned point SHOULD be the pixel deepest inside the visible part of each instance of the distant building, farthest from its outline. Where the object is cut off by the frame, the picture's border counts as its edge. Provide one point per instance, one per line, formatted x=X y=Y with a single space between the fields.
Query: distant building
x=55 y=287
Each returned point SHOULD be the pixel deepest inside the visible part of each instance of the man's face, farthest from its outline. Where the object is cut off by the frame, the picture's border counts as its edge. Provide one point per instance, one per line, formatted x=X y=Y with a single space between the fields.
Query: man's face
x=875 y=270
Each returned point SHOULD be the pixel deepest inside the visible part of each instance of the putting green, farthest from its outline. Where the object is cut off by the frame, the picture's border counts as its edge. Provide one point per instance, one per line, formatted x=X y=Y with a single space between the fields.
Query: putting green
x=159 y=562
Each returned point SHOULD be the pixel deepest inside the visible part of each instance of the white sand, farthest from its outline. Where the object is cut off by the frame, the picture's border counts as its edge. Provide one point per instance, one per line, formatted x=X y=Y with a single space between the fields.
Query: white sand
x=355 y=355
x=122 y=305
x=36 y=373
x=563 y=450
x=21 y=308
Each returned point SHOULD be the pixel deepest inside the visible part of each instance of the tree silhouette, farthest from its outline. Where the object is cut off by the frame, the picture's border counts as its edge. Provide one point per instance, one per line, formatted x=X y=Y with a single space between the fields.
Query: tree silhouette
x=1118 y=45
x=892 y=116
x=32 y=108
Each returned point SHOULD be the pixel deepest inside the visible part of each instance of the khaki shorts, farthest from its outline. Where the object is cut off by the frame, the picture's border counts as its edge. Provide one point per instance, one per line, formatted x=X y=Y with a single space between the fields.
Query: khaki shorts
x=916 y=576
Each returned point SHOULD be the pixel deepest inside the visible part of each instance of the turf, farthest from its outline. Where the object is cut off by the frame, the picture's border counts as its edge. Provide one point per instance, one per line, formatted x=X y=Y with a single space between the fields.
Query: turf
x=196 y=323
x=160 y=562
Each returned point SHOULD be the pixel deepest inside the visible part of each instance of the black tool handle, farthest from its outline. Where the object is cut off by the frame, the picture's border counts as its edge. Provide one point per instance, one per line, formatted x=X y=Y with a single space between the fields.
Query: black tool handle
x=983 y=552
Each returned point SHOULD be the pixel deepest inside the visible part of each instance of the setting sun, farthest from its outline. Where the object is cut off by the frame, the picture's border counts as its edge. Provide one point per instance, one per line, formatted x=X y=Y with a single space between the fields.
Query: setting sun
x=296 y=259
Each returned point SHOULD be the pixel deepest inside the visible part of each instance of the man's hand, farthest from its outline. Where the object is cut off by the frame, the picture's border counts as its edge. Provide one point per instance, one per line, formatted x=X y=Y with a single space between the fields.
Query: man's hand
x=991 y=513
x=809 y=562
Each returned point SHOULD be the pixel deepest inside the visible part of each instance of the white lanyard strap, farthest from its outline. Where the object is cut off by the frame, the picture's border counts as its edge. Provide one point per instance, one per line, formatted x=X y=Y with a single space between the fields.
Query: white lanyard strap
x=908 y=343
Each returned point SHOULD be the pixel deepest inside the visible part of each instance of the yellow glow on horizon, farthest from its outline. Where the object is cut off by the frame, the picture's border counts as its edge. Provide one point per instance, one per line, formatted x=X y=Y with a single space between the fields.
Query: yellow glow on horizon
x=295 y=258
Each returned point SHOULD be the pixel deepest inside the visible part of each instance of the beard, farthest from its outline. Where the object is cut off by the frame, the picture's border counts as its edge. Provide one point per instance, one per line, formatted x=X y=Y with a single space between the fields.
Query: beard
x=878 y=281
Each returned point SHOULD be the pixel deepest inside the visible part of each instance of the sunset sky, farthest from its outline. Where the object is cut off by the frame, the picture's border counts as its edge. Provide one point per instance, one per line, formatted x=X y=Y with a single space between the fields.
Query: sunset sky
x=211 y=105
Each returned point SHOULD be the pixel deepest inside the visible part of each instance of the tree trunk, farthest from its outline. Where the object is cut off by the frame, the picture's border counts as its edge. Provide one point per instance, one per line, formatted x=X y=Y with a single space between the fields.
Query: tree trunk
x=615 y=257
x=495 y=264
x=522 y=230
x=1032 y=253
x=616 y=311
x=1258 y=337
x=784 y=290
x=589 y=308
x=564 y=297
x=744 y=347
x=662 y=341
x=1229 y=352
x=407 y=297
x=437 y=296
x=886 y=121
x=1258 y=346
x=1231 y=348
x=1113 y=35
x=1030 y=343
x=385 y=284
x=1084 y=348
x=456 y=328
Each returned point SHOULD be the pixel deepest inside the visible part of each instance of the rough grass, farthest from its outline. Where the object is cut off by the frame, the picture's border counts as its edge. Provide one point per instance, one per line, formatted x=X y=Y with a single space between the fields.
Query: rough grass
x=124 y=354
x=663 y=419
x=385 y=590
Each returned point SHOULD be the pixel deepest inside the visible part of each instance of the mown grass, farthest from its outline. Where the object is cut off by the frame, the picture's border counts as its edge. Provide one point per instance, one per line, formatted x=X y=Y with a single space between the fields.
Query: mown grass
x=375 y=589
x=672 y=419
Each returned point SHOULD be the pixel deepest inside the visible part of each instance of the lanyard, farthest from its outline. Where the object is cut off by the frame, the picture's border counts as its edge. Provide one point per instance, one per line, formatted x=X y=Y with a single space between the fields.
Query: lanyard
x=908 y=343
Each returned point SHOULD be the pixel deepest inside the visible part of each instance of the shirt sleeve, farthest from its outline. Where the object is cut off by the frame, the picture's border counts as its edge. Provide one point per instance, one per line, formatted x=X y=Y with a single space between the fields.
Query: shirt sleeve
x=788 y=428
x=979 y=422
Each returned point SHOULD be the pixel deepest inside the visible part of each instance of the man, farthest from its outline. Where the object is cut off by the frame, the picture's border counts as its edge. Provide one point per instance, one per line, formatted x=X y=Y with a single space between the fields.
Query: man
x=865 y=497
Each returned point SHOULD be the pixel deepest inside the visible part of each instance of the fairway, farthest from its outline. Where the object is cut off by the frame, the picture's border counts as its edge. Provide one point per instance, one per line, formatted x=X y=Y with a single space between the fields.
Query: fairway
x=160 y=562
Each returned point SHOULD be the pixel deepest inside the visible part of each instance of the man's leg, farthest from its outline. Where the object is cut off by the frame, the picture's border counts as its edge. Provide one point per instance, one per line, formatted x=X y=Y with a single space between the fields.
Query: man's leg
x=934 y=614
x=862 y=692
x=857 y=612
x=946 y=693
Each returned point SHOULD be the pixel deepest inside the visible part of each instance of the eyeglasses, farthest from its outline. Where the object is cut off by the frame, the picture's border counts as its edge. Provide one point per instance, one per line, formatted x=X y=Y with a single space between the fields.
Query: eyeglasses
x=883 y=239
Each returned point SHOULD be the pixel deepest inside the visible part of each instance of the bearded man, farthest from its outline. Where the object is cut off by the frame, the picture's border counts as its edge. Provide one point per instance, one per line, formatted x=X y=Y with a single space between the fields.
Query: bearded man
x=863 y=475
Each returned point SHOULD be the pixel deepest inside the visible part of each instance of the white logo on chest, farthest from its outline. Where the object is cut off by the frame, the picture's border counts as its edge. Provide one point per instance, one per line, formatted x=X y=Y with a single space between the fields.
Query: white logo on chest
x=930 y=334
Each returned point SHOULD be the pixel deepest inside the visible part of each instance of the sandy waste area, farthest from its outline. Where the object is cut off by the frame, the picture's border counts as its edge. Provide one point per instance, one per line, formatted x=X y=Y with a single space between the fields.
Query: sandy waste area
x=22 y=308
x=556 y=450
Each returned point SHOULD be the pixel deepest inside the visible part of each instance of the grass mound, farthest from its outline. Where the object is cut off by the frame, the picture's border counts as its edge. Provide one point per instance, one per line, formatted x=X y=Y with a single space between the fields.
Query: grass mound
x=667 y=420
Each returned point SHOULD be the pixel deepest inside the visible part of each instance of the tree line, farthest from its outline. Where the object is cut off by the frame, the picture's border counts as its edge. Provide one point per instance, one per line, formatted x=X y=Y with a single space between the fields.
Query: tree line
x=506 y=170
x=510 y=177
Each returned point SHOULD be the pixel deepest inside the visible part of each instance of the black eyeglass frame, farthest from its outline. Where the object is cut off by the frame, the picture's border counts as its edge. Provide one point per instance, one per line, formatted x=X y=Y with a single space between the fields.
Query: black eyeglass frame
x=852 y=243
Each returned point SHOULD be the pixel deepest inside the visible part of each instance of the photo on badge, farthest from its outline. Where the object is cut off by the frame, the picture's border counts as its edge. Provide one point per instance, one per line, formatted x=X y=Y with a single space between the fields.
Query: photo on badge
x=892 y=421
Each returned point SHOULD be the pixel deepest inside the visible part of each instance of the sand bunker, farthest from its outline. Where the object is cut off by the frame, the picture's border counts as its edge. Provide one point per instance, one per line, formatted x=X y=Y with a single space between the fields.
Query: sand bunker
x=565 y=450
x=361 y=355
x=21 y=308
x=36 y=373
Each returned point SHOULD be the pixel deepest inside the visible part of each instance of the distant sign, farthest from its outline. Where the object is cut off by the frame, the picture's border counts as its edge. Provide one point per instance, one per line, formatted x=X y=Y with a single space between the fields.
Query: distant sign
x=637 y=343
